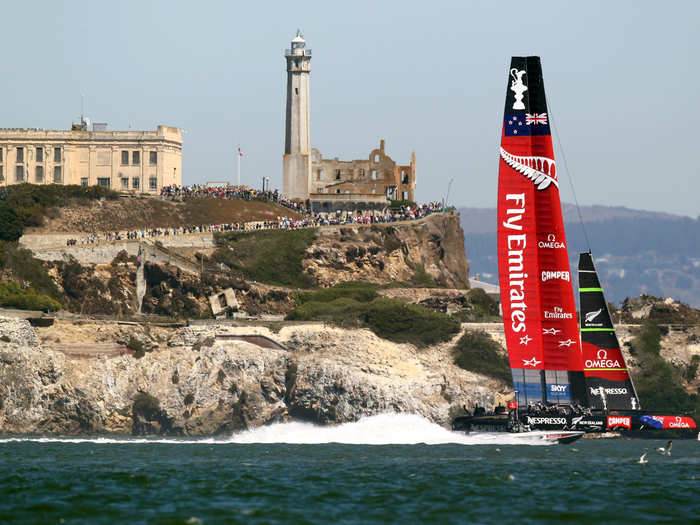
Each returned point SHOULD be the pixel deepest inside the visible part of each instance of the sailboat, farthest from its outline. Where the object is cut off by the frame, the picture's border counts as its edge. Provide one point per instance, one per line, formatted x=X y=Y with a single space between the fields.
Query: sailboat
x=565 y=377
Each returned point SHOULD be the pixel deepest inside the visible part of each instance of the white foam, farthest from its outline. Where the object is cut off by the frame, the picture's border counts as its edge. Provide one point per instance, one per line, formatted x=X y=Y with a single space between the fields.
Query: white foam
x=382 y=429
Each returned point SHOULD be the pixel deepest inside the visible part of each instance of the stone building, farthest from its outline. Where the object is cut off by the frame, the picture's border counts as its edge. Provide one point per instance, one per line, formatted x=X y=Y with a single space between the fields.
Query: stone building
x=333 y=184
x=365 y=184
x=129 y=161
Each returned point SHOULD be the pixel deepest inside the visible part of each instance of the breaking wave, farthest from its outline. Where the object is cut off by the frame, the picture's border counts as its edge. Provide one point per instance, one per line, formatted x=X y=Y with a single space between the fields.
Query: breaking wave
x=382 y=429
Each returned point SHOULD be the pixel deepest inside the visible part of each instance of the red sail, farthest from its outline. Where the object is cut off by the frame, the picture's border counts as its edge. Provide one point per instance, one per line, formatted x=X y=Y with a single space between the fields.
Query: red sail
x=539 y=312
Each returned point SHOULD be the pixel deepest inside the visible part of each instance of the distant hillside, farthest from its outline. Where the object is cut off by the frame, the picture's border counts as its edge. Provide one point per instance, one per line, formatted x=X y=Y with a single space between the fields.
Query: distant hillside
x=637 y=252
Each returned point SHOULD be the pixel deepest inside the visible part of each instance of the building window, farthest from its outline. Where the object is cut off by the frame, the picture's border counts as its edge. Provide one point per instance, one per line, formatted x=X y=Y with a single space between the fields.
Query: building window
x=153 y=158
x=153 y=183
x=2 y=175
x=19 y=173
x=374 y=190
x=104 y=182
x=337 y=174
x=0 y=154
x=374 y=174
x=57 y=154
x=296 y=91
x=362 y=172
x=125 y=183
x=376 y=158
x=20 y=154
x=135 y=183
x=404 y=195
x=84 y=181
x=320 y=175
x=57 y=174
x=136 y=158
x=337 y=191
x=125 y=158
x=347 y=191
x=39 y=172
x=40 y=154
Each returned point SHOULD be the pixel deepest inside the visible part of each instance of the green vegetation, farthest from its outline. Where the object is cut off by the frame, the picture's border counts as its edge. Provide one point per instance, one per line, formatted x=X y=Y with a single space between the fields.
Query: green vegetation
x=22 y=206
x=659 y=383
x=137 y=346
x=20 y=264
x=480 y=308
x=12 y=295
x=267 y=256
x=357 y=304
x=5 y=339
x=146 y=406
x=477 y=352
x=25 y=205
x=692 y=369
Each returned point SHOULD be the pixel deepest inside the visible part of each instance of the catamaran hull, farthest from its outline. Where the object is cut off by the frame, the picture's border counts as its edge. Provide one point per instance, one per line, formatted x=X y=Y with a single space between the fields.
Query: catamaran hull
x=629 y=424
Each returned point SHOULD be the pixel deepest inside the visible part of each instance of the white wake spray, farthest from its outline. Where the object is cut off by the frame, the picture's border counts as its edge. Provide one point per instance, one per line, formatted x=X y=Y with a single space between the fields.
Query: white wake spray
x=382 y=429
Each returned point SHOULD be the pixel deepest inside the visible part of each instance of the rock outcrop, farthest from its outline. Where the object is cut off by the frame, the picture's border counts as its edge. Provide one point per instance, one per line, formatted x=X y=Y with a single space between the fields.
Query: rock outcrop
x=431 y=249
x=210 y=380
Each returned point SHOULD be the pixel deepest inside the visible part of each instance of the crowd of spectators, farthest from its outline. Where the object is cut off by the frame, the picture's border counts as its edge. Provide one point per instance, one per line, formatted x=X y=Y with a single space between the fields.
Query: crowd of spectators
x=308 y=219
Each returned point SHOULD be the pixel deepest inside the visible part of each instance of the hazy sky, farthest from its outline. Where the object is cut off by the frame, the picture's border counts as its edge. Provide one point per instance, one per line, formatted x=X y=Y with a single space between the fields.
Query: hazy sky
x=623 y=81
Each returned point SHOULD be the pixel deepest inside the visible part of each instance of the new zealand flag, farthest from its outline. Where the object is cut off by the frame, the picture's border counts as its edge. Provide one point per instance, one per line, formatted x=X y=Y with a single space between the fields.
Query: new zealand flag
x=526 y=124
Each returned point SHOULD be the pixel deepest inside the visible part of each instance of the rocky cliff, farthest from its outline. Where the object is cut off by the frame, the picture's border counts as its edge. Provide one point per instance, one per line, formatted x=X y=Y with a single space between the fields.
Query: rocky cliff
x=430 y=251
x=78 y=379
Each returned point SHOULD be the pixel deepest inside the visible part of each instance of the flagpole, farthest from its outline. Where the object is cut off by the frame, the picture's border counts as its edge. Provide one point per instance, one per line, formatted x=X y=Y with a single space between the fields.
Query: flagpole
x=238 y=158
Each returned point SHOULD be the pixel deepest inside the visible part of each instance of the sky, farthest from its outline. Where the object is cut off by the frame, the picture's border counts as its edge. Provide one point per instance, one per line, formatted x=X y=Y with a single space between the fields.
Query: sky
x=622 y=79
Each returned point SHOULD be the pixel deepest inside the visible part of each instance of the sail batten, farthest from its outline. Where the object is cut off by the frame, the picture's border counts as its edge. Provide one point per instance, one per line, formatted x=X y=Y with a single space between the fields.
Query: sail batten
x=536 y=295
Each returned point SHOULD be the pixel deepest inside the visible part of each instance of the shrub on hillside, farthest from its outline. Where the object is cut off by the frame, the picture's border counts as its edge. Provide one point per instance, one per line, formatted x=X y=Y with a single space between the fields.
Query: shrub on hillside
x=20 y=264
x=12 y=295
x=408 y=323
x=477 y=352
x=267 y=256
x=357 y=290
x=479 y=308
x=658 y=382
x=357 y=304
x=25 y=205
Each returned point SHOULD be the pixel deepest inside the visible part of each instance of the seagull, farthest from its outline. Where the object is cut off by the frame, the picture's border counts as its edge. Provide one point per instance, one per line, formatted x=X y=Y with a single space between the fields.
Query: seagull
x=643 y=459
x=666 y=451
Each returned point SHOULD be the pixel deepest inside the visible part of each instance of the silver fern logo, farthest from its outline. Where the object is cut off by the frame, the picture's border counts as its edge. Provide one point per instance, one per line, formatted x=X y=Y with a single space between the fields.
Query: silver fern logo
x=590 y=316
x=540 y=170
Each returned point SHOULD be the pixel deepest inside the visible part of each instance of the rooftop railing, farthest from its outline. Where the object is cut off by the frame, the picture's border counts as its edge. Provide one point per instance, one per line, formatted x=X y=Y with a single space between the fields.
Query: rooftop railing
x=297 y=52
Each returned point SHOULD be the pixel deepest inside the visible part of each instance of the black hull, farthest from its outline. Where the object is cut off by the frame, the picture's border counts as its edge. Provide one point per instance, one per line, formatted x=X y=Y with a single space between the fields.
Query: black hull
x=627 y=424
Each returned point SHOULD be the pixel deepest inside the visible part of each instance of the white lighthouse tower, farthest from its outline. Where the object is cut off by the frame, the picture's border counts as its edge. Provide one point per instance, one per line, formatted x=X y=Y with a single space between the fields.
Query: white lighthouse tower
x=296 y=162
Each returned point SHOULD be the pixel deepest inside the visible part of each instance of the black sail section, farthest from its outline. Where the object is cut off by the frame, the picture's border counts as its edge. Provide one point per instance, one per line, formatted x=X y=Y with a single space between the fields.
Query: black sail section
x=608 y=384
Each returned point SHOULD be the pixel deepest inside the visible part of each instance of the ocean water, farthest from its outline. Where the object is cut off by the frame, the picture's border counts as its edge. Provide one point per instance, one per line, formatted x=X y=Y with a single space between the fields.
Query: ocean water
x=390 y=468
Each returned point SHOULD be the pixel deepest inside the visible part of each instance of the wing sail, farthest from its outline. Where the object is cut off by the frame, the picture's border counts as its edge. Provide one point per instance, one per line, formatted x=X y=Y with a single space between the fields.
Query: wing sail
x=536 y=293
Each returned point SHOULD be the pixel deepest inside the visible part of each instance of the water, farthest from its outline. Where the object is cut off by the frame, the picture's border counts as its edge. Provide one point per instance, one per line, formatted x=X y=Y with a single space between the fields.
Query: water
x=376 y=470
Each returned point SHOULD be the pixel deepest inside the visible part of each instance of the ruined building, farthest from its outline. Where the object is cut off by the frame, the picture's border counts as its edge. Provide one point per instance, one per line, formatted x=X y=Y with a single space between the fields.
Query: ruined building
x=333 y=184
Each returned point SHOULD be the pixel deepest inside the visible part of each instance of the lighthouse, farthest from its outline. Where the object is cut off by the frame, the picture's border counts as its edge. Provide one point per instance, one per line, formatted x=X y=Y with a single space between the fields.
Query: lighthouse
x=296 y=162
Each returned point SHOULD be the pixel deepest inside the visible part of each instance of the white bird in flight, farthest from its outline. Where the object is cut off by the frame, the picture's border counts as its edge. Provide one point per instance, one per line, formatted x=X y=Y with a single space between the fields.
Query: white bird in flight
x=666 y=451
x=643 y=459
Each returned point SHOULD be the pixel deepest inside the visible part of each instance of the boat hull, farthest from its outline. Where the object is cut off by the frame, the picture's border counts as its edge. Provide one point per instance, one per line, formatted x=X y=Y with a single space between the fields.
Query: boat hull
x=628 y=424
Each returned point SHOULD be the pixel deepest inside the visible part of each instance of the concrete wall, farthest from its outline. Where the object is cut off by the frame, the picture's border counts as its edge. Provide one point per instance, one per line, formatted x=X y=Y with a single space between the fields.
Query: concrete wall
x=39 y=242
